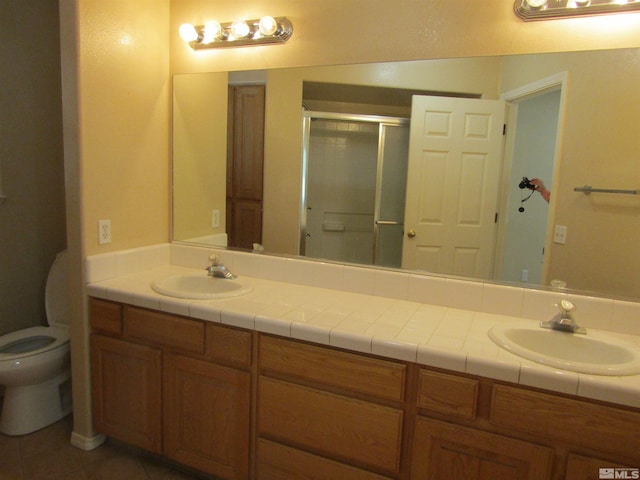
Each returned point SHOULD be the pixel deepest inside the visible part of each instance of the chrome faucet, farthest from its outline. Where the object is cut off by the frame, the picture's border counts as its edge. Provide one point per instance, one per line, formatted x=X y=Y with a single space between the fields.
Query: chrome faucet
x=218 y=270
x=564 y=320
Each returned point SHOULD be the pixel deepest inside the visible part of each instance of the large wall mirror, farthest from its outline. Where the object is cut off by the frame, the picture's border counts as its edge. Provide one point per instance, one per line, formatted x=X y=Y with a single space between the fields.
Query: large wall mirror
x=362 y=165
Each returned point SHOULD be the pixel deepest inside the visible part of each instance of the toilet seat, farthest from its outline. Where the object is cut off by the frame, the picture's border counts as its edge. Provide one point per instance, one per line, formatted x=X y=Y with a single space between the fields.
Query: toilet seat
x=13 y=346
x=34 y=340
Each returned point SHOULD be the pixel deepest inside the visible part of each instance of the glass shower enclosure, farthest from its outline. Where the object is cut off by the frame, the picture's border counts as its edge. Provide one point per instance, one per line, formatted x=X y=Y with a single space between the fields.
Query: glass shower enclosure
x=354 y=176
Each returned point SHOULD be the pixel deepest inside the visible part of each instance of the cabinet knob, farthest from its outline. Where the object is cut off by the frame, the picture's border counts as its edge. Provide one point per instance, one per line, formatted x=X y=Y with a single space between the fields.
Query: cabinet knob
x=411 y=233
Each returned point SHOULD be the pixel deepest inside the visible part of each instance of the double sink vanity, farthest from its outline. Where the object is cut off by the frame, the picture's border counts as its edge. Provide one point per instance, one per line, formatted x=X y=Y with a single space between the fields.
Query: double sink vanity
x=273 y=375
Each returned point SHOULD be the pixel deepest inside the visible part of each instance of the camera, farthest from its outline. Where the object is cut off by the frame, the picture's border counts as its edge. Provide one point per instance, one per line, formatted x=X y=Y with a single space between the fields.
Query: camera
x=525 y=183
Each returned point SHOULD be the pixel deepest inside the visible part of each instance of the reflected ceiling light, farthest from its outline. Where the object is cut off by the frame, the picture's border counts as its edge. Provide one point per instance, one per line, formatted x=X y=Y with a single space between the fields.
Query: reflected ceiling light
x=263 y=31
x=550 y=9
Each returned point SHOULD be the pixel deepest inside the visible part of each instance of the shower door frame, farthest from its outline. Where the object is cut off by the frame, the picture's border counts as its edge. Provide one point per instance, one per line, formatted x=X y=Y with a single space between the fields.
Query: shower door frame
x=307 y=116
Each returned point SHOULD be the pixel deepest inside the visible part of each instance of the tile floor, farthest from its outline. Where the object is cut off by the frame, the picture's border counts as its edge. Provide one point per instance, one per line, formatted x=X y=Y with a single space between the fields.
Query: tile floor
x=47 y=454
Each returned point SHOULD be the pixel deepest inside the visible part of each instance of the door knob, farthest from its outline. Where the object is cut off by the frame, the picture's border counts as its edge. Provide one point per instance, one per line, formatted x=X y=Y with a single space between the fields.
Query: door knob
x=411 y=233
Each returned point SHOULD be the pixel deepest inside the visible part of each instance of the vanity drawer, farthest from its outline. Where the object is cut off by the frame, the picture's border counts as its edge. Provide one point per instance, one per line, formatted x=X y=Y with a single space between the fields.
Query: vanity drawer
x=577 y=422
x=363 y=433
x=164 y=330
x=287 y=463
x=228 y=345
x=448 y=394
x=105 y=316
x=333 y=368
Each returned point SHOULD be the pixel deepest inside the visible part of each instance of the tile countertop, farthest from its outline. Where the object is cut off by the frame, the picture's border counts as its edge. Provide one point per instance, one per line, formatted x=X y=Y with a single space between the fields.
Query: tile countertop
x=437 y=336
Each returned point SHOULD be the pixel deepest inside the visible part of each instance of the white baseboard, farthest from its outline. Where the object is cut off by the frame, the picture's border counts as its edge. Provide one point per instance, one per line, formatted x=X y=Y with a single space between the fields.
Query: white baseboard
x=87 y=443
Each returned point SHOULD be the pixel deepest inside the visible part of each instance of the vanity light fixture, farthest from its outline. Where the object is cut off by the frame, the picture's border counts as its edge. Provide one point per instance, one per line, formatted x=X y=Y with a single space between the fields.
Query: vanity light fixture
x=262 y=31
x=551 y=9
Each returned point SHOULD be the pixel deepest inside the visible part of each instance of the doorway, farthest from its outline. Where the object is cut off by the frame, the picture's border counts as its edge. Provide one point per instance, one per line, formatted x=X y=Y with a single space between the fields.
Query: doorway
x=353 y=189
x=535 y=118
x=527 y=212
x=245 y=165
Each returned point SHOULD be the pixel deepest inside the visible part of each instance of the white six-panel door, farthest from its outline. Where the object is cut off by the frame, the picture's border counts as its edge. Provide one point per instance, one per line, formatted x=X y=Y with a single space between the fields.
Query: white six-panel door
x=455 y=155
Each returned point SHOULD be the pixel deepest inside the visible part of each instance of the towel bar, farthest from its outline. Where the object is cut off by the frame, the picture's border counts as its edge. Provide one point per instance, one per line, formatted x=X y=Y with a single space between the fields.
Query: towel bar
x=588 y=189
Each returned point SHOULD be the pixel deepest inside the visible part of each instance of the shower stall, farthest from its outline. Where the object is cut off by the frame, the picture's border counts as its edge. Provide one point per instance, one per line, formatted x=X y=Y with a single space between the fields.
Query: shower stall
x=353 y=188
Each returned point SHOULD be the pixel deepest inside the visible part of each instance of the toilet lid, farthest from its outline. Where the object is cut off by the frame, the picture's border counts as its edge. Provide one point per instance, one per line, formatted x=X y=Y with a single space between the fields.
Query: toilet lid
x=56 y=295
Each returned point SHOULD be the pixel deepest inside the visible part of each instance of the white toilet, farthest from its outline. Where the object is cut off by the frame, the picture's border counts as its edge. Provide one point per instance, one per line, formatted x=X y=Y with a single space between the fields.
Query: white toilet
x=35 y=367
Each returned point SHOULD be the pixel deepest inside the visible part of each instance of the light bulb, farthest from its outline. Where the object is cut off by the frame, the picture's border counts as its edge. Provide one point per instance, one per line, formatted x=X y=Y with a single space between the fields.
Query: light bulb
x=188 y=32
x=268 y=26
x=240 y=29
x=536 y=3
x=212 y=31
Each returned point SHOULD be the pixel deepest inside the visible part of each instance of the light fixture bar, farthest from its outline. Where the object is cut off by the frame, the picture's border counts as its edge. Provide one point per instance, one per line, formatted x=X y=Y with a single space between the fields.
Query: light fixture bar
x=261 y=31
x=552 y=9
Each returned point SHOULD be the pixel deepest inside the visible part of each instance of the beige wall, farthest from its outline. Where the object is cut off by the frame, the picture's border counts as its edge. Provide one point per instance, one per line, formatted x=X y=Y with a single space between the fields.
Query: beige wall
x=116 y=103
x=199 y=153
x=124 y=111
x=32 y=219
x=116 y=64
x=355 y=31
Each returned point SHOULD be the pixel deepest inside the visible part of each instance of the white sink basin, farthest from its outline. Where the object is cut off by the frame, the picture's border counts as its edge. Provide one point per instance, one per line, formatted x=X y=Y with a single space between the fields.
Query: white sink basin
x=594 y=353
x=199 y=286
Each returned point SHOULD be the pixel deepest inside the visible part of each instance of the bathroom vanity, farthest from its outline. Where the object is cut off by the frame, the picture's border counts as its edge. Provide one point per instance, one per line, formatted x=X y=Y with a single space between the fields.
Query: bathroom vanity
x=238 y=403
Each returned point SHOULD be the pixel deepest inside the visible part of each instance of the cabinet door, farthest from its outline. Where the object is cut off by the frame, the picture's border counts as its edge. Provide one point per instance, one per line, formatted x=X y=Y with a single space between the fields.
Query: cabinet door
x=443 y=451
x=126 y=386
x=207 y=416
x=587 y=468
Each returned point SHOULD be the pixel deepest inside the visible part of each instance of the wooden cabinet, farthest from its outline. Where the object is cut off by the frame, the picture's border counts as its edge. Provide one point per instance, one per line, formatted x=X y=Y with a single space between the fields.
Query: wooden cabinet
x=328 y=368
x=210 y=397
x=445 y=451
x=282 y=462
x=206 y=416
x=164 y=330
x=173 y=386
x=453 y=395
x=105 y=317
x=336 y=409
x=578 y=423
x=337 y=426
x=580 y=467
x=126 y=380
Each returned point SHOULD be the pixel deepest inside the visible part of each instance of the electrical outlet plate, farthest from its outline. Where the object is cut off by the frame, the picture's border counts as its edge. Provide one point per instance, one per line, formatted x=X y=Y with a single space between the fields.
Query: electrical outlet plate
x=560 y=234
x=104 y=231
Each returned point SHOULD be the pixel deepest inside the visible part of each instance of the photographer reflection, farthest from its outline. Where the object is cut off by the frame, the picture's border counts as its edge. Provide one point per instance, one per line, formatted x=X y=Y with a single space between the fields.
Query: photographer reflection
x=535 y=185
x=538 y=186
